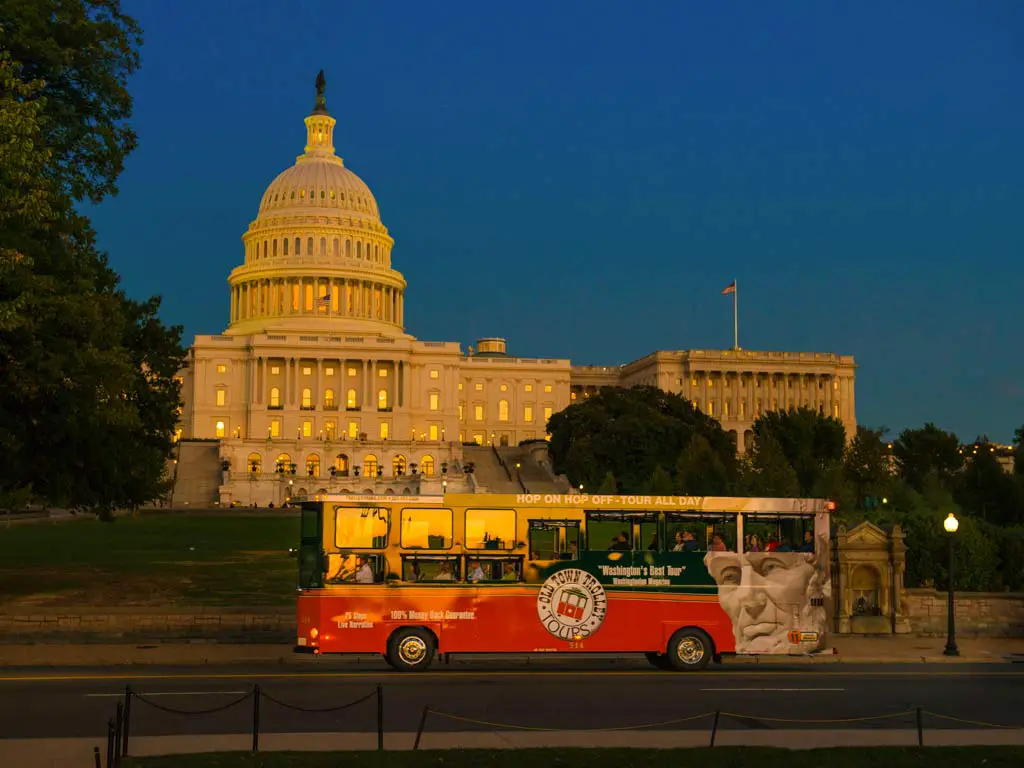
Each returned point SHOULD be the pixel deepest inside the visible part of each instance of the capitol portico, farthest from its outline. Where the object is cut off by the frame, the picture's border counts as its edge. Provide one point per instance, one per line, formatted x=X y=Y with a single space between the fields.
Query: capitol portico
x=315 y=384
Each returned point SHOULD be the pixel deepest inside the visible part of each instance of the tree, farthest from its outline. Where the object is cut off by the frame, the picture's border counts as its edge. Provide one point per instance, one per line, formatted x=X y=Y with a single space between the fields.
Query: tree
x=768 y=472
x=660 y=483
x=701 y=472
x=984 y=489
x=629 y=432
x=1018 y=456
x=809 y=441
x=83 y=51
x=88 y=399
x=608 y=485
x=867 y=466
x=929 y=450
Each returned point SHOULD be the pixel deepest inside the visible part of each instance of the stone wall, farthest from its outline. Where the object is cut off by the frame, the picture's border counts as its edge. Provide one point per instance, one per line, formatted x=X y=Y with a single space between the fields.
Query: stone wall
x=978 y=614
x=226 y=625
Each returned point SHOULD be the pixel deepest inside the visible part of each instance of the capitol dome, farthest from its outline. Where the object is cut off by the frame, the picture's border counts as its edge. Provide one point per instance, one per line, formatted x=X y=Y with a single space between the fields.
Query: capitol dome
x=317 y=256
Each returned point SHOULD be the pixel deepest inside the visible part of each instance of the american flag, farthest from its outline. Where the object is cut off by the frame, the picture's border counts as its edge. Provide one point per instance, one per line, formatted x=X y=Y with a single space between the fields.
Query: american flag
x=730 y=288
x=324 y=301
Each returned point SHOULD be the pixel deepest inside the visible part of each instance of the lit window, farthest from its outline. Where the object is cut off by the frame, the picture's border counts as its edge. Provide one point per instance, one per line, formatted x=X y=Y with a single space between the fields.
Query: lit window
x=478 y=439
x=222 y=397
x=329 y=398
x=329 y=429
x=382 y=399
x=353 y=430
x=307 y=371
x=426 y=528
x=711 y=407
x=479 y=387
x=222 y=368
x=547 y=413
x=351 y=371
x=254 y=463
x=433 y=433
x=435 y=401
x=490 y=528
x=361 y=528
x=427 y=466
x=312 y=465
x=350 y=399
x=528 y=388
x=307 y=428
x=460 y=386
x=384 y=430
x=528 y=414
x=307 y=398
x=328 y=371
x=370 y=466
x=219 y=429
x=382 y=373
x=503 y=410
x=478 y=412
x=547 y=387
x=743 y=408
x=275 y=428
x=434 y=373
x=504 y=387
x=275 y=370
x=462 y=411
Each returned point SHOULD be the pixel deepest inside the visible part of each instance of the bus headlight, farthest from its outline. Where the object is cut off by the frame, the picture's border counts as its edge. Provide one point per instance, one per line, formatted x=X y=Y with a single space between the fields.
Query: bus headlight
x=313 y=633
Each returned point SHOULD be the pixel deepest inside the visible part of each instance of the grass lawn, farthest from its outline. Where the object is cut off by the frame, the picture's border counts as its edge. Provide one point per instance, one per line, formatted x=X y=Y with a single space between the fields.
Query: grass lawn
x=724 y=757
x=151 y=559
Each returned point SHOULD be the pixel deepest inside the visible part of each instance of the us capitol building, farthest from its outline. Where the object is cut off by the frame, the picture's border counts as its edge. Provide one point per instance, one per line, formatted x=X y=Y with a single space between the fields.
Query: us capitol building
x=315 y=385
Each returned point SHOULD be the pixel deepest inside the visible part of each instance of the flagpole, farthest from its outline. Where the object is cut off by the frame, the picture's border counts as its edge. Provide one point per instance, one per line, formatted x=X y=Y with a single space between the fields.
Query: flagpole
x=735 y=315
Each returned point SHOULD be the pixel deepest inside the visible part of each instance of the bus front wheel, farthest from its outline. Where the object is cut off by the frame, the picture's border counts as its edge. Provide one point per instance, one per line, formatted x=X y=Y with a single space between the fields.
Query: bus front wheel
x=690 y=649
x=410 y=649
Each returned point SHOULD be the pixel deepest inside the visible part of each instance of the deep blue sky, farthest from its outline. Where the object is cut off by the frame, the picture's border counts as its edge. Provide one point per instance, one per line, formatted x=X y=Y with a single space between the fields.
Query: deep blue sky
x=584 y=178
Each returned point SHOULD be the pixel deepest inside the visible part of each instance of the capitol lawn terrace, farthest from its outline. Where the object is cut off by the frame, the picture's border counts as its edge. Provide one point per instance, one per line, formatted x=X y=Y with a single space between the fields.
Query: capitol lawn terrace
x=225 y=558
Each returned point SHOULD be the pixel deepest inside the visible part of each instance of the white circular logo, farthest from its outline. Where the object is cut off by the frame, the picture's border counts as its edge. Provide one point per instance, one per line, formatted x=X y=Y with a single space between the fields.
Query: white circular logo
x=572 y=604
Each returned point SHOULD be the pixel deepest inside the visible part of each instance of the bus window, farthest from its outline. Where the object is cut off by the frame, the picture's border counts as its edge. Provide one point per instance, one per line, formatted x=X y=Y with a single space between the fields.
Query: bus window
x=426 y=528
x=490 y=529
x=609 y=531
x=361 y=527
x=569 y=546
x=494 y=569
x=649 y=539
x=543 y=540
x=349 y=568
x=720 y=532
x=686 y=532
x=778 y=533
x=444 y=568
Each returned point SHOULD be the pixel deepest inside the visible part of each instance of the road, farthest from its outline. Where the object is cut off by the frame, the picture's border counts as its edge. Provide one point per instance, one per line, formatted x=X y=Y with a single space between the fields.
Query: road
x=77 y=703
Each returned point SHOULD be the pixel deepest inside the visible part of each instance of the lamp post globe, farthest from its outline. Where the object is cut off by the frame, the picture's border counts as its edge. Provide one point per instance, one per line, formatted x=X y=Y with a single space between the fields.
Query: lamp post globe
x=951 y=524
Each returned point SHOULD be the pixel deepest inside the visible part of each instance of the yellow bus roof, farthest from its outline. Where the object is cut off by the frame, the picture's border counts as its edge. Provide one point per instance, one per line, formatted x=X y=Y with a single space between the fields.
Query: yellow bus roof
x=610 y=502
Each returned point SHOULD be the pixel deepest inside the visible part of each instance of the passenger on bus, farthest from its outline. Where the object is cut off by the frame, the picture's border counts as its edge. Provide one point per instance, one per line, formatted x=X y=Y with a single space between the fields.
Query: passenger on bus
x=653 y=546
x=808 y=545
x=476 y=573
x=685 y=542
x=508 y=572
x=364 y=573
x=718 y=544
x=444 y=572
x=755 y=543
x=621 y=542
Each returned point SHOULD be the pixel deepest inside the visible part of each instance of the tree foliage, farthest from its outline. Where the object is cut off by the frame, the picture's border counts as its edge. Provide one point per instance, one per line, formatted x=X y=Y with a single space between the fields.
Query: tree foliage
x=809 y=441
x=929 y=451
x=88 y=399
x=866 y=467
x=768 y=472
x=630 y=432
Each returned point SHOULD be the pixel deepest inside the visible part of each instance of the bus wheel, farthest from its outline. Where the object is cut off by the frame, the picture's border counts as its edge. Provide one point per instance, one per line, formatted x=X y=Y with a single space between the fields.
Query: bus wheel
x=659 y=660
x=690 y=649
x=410 y=649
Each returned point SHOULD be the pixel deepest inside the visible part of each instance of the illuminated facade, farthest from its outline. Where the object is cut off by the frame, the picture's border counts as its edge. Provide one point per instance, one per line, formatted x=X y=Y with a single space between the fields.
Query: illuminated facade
x=316 y=386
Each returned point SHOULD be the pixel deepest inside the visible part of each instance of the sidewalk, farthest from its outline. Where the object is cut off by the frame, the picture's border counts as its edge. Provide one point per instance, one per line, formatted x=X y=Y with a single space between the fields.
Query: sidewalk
x=849 y=650
x=77 y=753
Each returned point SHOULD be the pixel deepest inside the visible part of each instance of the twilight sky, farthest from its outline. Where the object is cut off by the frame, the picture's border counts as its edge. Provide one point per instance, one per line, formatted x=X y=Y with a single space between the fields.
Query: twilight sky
x=583 y=178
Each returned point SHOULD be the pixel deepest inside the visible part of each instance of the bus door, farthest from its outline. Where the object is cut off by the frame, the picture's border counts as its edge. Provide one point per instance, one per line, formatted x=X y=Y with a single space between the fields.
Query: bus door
x=312 y=559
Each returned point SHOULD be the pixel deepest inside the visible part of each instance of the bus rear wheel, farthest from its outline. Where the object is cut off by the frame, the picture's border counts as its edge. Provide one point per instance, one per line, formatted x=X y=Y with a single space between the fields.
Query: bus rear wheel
x=410 y=649
x=690 y=650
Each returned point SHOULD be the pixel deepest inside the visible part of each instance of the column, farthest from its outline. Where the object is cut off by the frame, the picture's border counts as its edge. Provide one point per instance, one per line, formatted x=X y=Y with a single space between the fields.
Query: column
x=342 y=398
x=318 y=394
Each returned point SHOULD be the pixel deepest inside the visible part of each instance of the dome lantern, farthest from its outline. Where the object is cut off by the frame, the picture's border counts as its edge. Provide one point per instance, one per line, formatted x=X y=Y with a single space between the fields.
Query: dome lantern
x=320 y=126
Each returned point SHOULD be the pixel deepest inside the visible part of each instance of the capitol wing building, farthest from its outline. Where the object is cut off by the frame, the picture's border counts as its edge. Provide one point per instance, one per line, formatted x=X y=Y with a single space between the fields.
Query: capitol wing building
x=315 y=386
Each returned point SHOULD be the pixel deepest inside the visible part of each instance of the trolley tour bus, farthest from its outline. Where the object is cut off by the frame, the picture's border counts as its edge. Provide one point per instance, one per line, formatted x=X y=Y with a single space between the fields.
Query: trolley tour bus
x=683 y=580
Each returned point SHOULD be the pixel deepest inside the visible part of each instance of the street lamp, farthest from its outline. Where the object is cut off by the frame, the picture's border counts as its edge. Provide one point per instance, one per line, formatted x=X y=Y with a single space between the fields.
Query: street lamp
x=951 y=524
